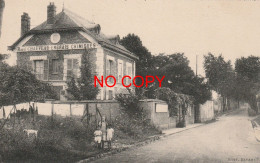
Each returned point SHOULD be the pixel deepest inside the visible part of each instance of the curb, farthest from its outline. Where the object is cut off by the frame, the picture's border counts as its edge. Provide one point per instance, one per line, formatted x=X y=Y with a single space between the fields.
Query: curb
x=115 y=151
x=139 y=144
x=165 y=135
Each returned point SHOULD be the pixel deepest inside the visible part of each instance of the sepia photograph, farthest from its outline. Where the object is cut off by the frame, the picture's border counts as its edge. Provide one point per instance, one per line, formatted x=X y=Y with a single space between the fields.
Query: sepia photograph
x=138 y=81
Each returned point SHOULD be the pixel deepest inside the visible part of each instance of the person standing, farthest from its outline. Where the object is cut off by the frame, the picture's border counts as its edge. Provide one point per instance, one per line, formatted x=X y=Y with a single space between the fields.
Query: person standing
x=103 y=128
x=110 y=134
x=98 y=137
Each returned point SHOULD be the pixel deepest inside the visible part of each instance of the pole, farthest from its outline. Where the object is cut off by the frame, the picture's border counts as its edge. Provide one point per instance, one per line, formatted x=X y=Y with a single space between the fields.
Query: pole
x=14 y=116
x=196 y=65
x=2 y=6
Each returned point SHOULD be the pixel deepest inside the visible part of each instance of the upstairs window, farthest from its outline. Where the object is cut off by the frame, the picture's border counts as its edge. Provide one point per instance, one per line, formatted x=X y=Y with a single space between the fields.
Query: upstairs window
x=110 y=62
x=120 y=70
x=129 y=73
x=110 y=67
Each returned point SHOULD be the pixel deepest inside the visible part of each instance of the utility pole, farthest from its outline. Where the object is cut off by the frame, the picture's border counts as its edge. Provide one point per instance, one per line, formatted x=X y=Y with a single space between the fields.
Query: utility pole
x=2 y=6
x=196 y=65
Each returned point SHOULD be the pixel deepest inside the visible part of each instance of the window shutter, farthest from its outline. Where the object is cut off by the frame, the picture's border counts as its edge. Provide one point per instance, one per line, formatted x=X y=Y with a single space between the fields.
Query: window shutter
x=75 y=68
x=69 y=64
x=31 y=66
x=51 y=64
x=69 y=69
x=130 y=74
x=116 y=71
x=75 y=64
x=65 y=68
x=46 y=69
x=107 y=68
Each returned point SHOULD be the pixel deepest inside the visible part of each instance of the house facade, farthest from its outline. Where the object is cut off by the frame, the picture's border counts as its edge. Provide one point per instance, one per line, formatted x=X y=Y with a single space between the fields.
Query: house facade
x=53 y=51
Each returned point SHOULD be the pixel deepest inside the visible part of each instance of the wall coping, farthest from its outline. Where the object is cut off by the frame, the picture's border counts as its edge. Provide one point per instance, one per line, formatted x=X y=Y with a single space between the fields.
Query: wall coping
x=153 y=100
x=98 y=101
x=81 y=102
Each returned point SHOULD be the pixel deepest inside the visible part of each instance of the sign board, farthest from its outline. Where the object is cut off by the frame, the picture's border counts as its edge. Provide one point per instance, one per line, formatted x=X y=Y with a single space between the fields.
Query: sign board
x=161 y=108
x=56 y=47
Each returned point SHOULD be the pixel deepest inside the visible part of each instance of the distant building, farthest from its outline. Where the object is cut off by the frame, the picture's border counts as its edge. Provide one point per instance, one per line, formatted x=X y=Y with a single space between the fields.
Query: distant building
x=53 y=51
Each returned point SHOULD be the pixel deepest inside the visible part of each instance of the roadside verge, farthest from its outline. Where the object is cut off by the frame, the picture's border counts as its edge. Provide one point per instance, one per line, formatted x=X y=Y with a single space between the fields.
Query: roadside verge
x=165 y=133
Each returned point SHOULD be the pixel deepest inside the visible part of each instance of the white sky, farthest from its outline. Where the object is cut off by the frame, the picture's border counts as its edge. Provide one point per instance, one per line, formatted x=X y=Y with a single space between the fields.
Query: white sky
x=165 y=26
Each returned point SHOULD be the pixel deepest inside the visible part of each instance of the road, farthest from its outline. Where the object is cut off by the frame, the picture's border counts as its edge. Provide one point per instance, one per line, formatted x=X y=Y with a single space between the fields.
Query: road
x=230 y=139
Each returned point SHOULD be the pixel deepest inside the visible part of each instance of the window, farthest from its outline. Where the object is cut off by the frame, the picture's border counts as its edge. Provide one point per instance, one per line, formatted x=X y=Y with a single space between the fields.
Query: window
x=120 y=70
x=110 y=67
x=55 y=65
x=110 y=95
x=39 y=69
x=72 y=68
x=129 y=73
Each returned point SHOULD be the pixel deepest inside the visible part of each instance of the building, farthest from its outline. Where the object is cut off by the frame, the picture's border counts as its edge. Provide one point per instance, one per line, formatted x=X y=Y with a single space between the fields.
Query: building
x=54 y=49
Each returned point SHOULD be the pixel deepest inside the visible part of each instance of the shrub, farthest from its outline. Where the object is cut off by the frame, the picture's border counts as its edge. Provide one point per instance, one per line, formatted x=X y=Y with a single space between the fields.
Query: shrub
x=132 y=127
x=130 y=102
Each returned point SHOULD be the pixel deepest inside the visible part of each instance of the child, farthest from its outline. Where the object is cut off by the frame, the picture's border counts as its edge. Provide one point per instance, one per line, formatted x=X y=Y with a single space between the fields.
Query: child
x=110 y=133
x=103 y=128
x=98 y=134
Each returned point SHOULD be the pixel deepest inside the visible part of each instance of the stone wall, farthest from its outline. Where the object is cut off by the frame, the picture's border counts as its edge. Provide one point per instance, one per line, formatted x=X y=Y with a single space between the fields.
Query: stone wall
x=207 y=111
x=160 y=119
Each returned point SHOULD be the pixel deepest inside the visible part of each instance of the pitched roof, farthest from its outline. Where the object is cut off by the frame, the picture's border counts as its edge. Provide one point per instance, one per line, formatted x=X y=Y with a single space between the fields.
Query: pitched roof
x=67 y=20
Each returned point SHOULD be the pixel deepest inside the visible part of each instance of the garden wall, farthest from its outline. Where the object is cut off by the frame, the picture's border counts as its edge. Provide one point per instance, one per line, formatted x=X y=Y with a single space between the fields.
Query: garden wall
x=207 y=111
x=157 y=111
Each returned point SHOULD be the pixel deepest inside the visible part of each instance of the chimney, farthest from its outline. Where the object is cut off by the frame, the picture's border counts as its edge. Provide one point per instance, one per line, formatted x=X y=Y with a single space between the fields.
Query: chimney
x=51 y=13
x=25 y=23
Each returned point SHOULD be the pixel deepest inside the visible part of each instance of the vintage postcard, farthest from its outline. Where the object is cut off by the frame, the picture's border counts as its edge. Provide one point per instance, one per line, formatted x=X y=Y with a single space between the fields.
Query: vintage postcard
x=130 y=81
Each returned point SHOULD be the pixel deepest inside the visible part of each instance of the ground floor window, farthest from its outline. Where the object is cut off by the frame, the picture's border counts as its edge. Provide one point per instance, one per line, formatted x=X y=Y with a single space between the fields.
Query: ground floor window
x=110 y=95
x=72 y=68
x=55 y=66
x=39 y=69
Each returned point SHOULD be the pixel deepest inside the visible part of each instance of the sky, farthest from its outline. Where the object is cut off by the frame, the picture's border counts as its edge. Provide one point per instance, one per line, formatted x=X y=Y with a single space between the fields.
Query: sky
x=230 y=28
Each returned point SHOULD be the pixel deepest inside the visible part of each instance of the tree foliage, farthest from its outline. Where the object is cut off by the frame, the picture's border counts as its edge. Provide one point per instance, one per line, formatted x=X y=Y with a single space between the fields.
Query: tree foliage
x=180 y=78
x=19 y=85
x=174 y=99
x=248 y=79
x=219 y=73
x=144 y=65
x=83 y=87
x=130 y=102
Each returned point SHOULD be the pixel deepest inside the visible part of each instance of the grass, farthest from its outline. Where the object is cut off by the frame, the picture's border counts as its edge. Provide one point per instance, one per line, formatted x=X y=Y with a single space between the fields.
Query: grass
x=64 y=139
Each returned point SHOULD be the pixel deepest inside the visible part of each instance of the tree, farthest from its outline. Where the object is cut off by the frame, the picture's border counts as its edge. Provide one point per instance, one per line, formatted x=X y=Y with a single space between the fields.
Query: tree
x=83 y=88
x=180 y=78
x=220 y=74
x=144 y=65
x=248 y=79
x=18 y=85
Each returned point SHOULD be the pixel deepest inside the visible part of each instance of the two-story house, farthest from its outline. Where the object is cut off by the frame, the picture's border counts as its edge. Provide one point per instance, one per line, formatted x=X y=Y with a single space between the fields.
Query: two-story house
x=54 y=49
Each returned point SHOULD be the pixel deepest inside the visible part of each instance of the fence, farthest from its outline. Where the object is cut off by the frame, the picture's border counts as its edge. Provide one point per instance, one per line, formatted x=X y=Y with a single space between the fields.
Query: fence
x=110 y=109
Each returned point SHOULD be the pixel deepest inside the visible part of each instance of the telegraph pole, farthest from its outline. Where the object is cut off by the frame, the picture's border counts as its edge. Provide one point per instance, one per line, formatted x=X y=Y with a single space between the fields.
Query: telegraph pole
x=196 y=65
x=2 y=6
